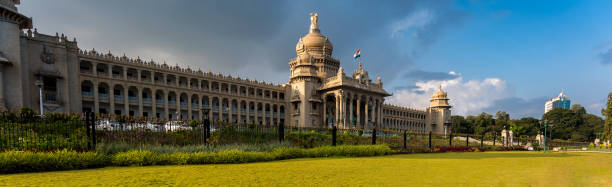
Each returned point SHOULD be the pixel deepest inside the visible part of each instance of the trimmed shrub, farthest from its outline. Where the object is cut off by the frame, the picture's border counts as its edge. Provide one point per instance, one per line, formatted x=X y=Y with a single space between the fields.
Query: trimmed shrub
x=18 y=162
x=112 y=148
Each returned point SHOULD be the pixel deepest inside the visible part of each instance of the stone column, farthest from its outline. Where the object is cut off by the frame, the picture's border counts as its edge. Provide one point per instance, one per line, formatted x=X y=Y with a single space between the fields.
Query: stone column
x=111 y=98
x=278 y=115
x=210 y=113
x=220 y=107
x=229 y=112
x=342 y=110
x=201 y=105
x=153 y=103
x=380 y=110
x=239 y=110
x=139 y=75
x=367 y=103
x=93 y=69
x=125 y=73
x=248 y=112
x=126 y=100
x=337 y=110
x=264 y=115
x=324 y=110
x=166 y=108
x=178 y=103
x=110 y=72
x=358 y=103
x=140 y=106
x=188 y=104
x=351 y=111
x=96 y=97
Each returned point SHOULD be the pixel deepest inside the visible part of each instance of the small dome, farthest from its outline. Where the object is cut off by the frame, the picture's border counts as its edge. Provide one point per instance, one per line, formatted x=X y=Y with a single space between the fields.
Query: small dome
x=440 y=93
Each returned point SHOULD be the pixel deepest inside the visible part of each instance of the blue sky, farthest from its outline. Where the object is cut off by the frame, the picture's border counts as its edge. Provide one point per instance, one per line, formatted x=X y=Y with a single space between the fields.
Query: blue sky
x=489 y=55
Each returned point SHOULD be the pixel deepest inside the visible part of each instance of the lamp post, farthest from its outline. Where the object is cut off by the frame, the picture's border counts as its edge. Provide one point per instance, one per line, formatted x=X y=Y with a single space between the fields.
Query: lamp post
x=206 y=124
x=544 y=122
x=39 y=84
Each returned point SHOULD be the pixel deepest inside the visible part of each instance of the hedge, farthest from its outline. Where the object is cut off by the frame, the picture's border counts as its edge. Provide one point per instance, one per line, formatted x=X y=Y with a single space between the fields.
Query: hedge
x=17 y=162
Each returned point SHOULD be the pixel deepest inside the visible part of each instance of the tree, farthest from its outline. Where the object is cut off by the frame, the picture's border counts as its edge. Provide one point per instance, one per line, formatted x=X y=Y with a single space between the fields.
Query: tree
x=460 y=125
x=607 y=113
x=531 y=125
x=501 y=121
x=482 y=123
x=591 y=124
x=517 y=130
x=563 y=121
x=578 y=109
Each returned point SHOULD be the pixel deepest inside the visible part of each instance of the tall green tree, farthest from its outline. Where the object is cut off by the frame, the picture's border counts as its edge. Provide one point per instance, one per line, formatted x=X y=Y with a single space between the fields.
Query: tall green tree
x=563 y=121
x=501 y=121
x=607 y=113
x=578 y=109
x=460 y=125
x=587 y=131
x=483 y=123
x=531 y=125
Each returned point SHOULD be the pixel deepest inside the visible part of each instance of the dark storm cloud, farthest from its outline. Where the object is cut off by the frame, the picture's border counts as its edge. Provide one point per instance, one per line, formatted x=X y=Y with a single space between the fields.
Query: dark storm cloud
x=420 y=75
x=255 y=38
x=519 y=107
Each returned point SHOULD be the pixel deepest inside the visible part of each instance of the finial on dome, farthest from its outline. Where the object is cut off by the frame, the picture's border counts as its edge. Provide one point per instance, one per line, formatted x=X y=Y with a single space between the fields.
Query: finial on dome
x=314 y=20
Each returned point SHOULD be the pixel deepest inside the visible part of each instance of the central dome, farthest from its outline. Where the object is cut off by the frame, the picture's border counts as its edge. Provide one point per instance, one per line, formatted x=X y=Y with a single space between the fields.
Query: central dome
x=314 y=41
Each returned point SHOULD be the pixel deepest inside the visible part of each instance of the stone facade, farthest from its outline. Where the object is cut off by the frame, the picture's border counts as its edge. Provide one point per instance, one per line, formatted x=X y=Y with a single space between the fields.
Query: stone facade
x=318 y=94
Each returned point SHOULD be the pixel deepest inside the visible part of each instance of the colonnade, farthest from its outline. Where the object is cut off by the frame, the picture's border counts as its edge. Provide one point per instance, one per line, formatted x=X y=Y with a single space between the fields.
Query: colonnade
x=353 y=110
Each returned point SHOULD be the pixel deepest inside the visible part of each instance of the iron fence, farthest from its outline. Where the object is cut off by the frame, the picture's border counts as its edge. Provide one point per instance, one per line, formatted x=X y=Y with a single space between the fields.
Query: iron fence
x=83 y=132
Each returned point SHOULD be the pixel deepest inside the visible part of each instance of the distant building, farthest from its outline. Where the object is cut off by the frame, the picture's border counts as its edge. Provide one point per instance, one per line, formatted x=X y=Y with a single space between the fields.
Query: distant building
x=560 y=101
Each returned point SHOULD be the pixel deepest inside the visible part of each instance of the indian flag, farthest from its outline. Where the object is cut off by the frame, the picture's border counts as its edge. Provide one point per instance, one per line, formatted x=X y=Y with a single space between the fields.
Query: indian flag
x=357 y=54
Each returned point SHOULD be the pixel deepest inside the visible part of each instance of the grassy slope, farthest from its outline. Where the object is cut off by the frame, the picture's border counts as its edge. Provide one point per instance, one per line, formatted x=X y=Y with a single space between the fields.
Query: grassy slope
x=469 y=169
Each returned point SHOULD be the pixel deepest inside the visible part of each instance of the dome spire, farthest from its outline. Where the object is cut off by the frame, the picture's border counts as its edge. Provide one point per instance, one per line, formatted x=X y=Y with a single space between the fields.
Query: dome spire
x=314 y=22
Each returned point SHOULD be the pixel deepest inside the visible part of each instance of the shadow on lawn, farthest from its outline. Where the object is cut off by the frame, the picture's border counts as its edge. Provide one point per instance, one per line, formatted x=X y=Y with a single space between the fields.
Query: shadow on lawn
x=457 y=155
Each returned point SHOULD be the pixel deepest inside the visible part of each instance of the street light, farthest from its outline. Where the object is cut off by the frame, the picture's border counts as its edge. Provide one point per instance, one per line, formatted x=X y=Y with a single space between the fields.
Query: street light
x=544 y=122
x=206 y=123
x=39 y=84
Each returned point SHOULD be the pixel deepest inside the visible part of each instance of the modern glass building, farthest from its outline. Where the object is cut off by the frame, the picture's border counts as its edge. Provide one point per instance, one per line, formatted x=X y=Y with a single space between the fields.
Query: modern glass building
x=560 y=101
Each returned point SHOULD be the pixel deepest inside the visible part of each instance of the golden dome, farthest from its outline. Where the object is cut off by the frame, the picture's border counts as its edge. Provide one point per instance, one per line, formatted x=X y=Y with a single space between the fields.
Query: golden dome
x=314 y=41
x=440 y=93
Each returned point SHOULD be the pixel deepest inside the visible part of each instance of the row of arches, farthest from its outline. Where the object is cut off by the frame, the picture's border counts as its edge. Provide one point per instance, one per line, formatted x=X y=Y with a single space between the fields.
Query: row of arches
x=120 y=72
x=121 y=99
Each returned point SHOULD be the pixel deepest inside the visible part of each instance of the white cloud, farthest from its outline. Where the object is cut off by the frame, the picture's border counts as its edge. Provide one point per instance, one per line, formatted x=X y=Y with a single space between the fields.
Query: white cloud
x=416 y=20
x=466 y=96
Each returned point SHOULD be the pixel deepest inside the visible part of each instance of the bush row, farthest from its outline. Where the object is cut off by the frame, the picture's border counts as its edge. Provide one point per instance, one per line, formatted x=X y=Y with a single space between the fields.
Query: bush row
x=145 y=158
x=17 y=162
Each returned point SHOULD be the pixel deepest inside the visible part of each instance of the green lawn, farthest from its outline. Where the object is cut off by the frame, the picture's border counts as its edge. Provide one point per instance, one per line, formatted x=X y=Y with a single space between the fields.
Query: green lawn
x=464 y=169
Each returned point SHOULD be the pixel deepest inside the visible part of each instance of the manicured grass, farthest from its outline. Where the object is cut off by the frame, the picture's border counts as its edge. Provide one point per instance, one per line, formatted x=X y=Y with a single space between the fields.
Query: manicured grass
x=463 y=169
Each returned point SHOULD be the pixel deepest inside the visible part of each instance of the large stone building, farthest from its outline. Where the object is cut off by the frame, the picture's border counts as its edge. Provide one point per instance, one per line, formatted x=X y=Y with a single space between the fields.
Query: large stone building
x=319 y=93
